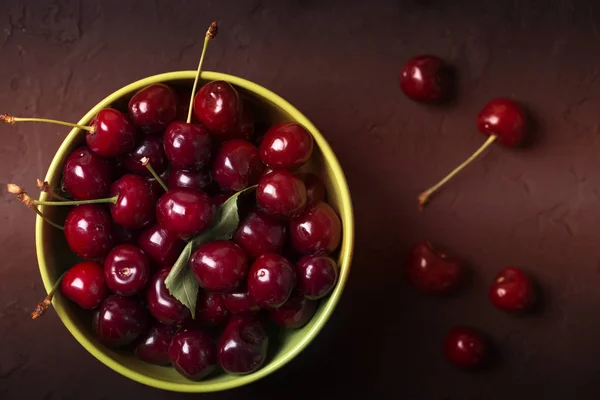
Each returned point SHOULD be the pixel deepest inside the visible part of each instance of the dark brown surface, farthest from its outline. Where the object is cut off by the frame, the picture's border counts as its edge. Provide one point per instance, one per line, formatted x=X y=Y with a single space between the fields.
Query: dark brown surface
x=338 y=63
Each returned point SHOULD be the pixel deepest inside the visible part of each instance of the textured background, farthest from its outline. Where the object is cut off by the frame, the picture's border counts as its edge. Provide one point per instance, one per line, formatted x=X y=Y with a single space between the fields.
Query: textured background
x=338 y=62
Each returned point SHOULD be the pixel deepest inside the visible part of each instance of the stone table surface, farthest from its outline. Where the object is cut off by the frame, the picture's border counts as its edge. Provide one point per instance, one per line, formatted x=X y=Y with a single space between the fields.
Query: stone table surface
x=338 y=62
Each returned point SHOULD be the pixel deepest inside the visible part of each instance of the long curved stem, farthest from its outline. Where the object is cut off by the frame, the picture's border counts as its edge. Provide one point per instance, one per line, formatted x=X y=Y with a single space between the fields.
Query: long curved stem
x=112 y=200
x=41 y=308
x=146 y=163
x=9 y=119
x=424 y=197
x=210 y=34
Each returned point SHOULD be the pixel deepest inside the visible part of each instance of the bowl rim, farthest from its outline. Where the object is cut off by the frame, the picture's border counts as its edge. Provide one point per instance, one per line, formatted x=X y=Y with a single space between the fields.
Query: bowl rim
x=345 y=256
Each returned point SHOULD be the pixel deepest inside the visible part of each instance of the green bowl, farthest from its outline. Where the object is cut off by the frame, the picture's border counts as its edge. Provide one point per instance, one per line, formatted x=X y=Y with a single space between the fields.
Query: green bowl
x=54 y=255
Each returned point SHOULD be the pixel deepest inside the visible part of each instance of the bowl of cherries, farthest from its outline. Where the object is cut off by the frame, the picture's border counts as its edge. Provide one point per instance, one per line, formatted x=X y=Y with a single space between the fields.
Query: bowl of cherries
x=194 y=230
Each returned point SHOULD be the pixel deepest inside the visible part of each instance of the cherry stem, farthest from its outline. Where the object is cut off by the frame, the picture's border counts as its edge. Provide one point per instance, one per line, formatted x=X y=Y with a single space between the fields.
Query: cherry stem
x=146 y=162
x=24 y=198
x=112 y=200
x=44 y=186
x=210 y=34
x=9 y=119
x=424 y=197
x=46 y=220
x=41 y=308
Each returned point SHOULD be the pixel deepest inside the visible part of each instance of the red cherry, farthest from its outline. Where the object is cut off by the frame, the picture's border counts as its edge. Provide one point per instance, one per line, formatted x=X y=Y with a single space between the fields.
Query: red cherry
x=210 y=309
x=259 y=233
x=135 y=207
x=433 y=271
x=151 y=147
x=512 y=290
x=503 y=118
x=425 y=79
x=237 y=165
x=154 y=346
x=240 y=303
x=86 y=175
x=199 y=180
x=126 y=270
x=153 y=108
x=193 y=353
x=185 y=212
x=295 y=313
x=219 y=266
x=112 y=133
x=286 y=145
x=84 y=284
x=187 y=145
x=243 y=345
x=281 y=194
x=315 y=188
x=162 y=305
x=88 y=230
x=271 y=280
x=120 y=320
x=317 y=231
x=316 y=276
x=218 y=106
x=162 y=247
x=465 y=347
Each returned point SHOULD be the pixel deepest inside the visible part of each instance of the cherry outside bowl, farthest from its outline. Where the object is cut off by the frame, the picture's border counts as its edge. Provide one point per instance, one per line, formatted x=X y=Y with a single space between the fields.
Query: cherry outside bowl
x=53 y=253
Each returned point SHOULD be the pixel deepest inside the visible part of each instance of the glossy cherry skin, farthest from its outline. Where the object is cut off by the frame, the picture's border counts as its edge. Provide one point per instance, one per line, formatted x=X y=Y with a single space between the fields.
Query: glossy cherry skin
x=185 y=212
x=199 y=180
x=512 y=290
x=210 y=309
x=286 y=145
x=315 y=188
x=89 y=232
x=465 y=347
x=425 y=79
x=243 y=345
x=162 y=247
x=240 y=303
x=126 y=270
x=120 y=320
x=218 y=106
x=219 y=266
x=237 y=165
x=505 y=119
x=433 y=271
x=281 y=194
x=153 y=108
x=151 y=147
x=164 y=307
x=271 y=280
x=317 y=231
x=112 y=133
x=86 y=175
x=135 y=206
x=259 y=233
x=153 y=347
x=295 y=313
x=193 y=353
x=84 y=284
x=187 y=145
x=316 y=275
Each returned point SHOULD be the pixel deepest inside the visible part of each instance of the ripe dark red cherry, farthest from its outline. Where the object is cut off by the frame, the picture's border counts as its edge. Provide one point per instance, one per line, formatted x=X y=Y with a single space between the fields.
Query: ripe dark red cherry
x=153 y=348
x=84 y=284
x=271 y=280
x=210 y=309
x=218 y=106
x=120 y=320
x=193 y=353
x=295 y=313
x=243 y=345
x=237 y=165
x=315 y=188
x=185 y=212
x=135 y=207
x=317 y=231
x=153 y=108
x=112 y=133
x=240 y=303
x=199 y=180
x=164 y=307
x=316 y=276
x=162 y=247
x=259 y=233
x=503 y=118
x=86 y=175
x=281 y=194
x=88 y=230
x=512 y=290
x=151 y=147
x=286 y=145
x=465 y=347
x=219 y=266
x=433 y=271
x=425 y=79
x=187 y=145
x=126 y=270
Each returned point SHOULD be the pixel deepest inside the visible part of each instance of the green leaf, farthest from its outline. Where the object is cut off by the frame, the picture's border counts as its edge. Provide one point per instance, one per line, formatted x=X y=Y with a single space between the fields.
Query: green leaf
x=181 y=282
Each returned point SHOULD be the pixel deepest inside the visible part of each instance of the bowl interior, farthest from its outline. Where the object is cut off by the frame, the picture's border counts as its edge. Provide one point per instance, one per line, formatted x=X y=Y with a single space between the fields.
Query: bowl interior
x=54 y=256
